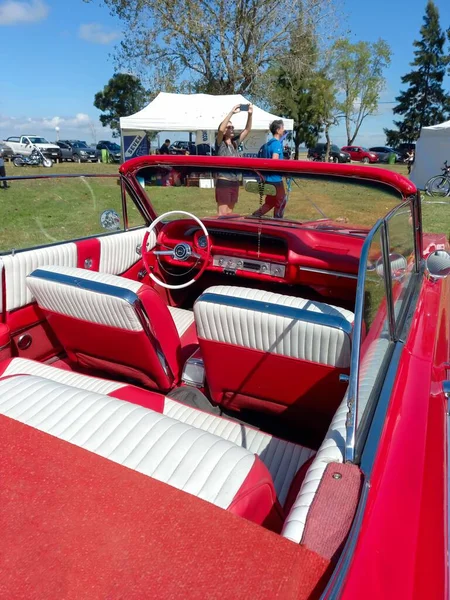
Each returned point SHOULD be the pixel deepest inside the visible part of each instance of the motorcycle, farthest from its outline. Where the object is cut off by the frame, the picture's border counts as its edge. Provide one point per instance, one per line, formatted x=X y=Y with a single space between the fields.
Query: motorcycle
x=35 y=159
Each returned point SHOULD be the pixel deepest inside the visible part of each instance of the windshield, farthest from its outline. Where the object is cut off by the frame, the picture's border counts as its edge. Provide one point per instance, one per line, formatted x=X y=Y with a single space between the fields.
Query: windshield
x=335 y=148
x=276 y=197
x=80 y=145
x=38 y=140
x=112 y=146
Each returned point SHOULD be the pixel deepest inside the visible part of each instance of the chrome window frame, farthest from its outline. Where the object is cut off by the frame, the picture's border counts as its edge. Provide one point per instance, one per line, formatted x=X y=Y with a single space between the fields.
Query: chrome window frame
x=395 y=325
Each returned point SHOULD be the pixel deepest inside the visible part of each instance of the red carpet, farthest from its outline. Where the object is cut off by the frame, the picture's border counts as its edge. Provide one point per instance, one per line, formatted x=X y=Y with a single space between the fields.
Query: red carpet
x=75 y=525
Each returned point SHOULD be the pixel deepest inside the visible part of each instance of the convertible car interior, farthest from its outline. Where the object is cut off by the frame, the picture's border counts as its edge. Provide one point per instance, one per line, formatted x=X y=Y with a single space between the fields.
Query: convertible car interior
x=207 y=366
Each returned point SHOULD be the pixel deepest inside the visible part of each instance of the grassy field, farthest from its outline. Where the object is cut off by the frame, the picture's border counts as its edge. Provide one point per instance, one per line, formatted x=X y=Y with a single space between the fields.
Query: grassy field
x=35 y=212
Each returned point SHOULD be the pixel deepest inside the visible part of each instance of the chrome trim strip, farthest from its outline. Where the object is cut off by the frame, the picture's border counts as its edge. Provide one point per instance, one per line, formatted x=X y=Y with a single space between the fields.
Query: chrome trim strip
x=87 y=284
x=289 y=312
x=352 y=397
x=387 y=272
x=327 y=272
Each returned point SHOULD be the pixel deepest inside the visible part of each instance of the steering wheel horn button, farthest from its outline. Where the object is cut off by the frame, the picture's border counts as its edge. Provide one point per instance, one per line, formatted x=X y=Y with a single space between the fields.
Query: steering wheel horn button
x=182 y=251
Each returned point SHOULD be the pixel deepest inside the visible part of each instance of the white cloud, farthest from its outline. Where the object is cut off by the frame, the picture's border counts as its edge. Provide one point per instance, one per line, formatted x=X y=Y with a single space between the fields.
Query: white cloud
x=79 y=126
x=19 y=11
x=95 y=33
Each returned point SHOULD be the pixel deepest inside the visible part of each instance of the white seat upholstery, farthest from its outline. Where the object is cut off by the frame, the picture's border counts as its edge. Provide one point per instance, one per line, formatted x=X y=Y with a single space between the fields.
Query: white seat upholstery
x=333 y=447
x=114 y=324
x=117 y=254
x=254 y=325
x=283 y=459
x=273 y=353
x=180 y=455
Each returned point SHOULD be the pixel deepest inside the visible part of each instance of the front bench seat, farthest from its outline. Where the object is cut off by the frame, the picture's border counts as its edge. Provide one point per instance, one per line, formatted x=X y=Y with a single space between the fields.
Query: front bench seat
x=274 y=353
x=115 y=325
x=187 y=458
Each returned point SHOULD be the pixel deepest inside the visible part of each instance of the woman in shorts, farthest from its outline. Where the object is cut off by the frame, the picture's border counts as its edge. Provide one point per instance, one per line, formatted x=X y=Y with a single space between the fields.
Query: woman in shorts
x=227 y=182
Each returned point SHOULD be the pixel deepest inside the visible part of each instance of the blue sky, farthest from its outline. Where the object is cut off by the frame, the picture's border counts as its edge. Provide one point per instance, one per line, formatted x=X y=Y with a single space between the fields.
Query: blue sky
x=56 y=54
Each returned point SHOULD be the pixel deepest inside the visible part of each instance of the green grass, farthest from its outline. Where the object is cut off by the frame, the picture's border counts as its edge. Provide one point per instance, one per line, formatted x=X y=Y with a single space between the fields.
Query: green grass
x=36 y=212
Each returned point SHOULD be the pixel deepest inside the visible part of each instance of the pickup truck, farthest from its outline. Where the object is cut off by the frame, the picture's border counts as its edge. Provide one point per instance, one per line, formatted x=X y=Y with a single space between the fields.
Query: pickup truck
x=23 y=146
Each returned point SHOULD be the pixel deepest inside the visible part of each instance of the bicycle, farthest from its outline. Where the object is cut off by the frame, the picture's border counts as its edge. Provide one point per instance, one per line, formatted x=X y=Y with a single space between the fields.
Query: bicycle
x=439 y=185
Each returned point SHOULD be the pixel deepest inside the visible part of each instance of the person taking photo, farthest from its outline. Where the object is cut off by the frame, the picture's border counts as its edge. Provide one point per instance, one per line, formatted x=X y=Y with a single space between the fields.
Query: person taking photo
x=227 y=182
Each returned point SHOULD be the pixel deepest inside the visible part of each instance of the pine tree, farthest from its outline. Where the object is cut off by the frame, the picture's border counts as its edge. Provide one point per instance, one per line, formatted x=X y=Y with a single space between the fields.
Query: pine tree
x=424 y=102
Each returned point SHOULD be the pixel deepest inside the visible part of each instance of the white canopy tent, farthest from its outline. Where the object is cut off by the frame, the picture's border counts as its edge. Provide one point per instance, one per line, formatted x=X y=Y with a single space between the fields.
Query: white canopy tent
x=433 y=147
x=198 y=113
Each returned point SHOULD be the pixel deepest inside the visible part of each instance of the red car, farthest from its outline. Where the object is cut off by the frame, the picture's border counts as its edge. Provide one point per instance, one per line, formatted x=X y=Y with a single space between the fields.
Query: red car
x=360 y=154
x=245 y=406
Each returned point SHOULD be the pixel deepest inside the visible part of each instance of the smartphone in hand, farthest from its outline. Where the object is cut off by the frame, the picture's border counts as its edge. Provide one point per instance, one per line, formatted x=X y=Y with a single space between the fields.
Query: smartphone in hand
x=244 y=107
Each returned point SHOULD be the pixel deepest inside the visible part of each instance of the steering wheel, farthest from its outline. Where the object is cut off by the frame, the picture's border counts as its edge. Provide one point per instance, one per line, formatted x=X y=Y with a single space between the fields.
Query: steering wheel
x=183 y=251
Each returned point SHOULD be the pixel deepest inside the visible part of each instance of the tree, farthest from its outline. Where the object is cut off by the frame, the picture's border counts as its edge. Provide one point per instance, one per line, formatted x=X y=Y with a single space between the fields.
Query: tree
x=302 y=90
x=123 y=95
x=211 y=46
x=358 y=74
x=424 y=102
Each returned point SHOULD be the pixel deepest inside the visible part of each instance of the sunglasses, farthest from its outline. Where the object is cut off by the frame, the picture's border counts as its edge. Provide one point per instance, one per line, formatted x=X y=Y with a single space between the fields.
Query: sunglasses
x=230 y=127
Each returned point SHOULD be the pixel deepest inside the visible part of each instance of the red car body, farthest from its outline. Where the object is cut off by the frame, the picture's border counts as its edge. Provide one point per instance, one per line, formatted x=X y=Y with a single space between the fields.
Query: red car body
x=360 y=154
x=74 y=521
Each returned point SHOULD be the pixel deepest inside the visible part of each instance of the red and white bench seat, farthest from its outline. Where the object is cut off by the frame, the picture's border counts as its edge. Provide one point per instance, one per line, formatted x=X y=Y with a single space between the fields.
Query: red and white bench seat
x=283 y=459
x=187 y=458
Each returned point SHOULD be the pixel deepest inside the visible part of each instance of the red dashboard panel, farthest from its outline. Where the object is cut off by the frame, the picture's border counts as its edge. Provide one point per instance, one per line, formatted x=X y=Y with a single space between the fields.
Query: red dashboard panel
x=321 y=256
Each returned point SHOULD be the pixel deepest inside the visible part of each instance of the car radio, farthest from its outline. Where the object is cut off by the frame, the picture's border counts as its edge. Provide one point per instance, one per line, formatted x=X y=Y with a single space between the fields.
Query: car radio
x=232 y=264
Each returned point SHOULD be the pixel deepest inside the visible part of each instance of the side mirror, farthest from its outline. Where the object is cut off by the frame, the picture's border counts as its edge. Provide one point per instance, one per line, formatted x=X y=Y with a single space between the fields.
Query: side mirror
x=110 y=220
x=260 y=188
x=438 y=265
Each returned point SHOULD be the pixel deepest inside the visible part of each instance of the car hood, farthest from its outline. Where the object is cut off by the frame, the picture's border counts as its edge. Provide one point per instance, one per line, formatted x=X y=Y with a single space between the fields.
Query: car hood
x=48 y=146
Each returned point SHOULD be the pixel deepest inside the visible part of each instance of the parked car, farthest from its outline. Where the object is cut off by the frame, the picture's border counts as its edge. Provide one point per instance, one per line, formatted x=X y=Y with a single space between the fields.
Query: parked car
x=6 y=151
x=181 y=147
x=360 y=154
x=404 y=148
x=77 y=151
x=282 y=434
x=23 y=146
x=336 y=155
x=115 y=154
x=383 y=153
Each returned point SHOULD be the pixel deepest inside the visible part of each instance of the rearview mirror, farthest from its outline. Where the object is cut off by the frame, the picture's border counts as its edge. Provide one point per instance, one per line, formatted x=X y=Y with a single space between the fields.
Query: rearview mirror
x=260 y=188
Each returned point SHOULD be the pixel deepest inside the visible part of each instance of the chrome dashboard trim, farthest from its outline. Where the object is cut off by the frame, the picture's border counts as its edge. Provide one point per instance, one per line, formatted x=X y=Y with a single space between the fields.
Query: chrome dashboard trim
x=279 y=310
x=327 y=272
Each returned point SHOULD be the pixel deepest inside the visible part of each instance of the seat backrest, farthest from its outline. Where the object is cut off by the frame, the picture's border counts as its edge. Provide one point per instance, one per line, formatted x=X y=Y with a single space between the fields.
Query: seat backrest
x=272 y=351
x=187 y=458
x=110 y=323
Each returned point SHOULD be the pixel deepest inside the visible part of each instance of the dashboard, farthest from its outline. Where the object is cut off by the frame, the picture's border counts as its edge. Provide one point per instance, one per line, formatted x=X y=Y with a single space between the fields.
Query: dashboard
x=325 y=259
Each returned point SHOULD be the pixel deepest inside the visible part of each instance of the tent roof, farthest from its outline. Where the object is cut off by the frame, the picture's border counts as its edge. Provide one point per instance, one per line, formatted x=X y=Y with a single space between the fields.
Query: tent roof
x=441 y=128
x=194 y=112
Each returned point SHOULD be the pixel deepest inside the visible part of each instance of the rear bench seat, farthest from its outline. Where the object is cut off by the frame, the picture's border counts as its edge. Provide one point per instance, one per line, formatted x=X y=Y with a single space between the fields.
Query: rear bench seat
x=185 y=457
x=283 y=459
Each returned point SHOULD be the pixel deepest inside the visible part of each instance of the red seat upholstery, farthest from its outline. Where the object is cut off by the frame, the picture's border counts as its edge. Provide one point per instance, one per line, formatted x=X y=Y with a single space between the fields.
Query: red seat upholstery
x=273 y=353
x=115 y=325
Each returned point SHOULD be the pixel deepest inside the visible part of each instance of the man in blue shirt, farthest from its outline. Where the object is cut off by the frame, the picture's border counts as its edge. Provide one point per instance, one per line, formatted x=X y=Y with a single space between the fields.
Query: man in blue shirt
x=274 y=150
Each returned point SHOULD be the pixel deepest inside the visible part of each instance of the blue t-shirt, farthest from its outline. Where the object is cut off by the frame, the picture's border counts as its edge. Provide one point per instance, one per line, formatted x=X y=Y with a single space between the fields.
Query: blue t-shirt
x=274 y=146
